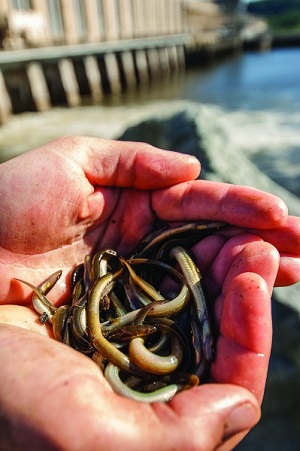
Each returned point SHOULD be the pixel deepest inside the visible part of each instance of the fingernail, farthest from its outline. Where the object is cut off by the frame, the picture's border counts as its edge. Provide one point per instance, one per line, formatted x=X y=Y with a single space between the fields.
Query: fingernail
x=191 y=159
x=240 y=419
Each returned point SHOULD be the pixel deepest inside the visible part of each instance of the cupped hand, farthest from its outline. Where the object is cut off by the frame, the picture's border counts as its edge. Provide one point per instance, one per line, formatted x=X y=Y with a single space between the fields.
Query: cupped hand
x=76 y=195
x=66 y=199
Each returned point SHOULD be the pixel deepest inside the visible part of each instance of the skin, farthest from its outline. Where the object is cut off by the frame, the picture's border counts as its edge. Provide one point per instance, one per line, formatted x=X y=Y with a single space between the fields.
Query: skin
x=78 y=195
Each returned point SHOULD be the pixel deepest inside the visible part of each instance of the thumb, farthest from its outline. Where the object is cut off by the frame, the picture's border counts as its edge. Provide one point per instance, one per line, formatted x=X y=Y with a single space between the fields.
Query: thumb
x=214 y=416
x=133 y=164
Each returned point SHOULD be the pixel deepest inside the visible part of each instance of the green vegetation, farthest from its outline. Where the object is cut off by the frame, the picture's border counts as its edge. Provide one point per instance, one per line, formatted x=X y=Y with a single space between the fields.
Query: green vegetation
x=281 y=15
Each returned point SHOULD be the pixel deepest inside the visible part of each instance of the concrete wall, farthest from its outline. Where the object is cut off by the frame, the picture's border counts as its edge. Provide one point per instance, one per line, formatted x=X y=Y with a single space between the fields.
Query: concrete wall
x=37 y=79
x=50 y=22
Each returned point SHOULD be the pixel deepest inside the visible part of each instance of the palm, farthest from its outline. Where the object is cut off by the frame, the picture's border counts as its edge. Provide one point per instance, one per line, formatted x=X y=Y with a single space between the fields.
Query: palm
x=127 y=218
x=60 y=212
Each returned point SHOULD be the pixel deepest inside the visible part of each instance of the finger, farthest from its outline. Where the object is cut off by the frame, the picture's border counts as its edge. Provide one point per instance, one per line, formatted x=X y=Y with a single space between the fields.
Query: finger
x=131 y=164
x=220 y=256
x=244 y=317
x=238 y=205
x=207 y=250
x=245 y=253
x=209 y=415
x=285 y=238
x=289 y=271
x=244 y=344
x=254 y=257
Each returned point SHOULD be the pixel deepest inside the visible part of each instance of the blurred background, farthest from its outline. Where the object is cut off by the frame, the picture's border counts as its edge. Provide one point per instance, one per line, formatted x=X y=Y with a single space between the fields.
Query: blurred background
x=220 y=79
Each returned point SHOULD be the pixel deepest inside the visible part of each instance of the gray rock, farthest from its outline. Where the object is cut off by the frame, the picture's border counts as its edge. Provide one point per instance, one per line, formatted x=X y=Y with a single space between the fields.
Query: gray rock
x=195 y=130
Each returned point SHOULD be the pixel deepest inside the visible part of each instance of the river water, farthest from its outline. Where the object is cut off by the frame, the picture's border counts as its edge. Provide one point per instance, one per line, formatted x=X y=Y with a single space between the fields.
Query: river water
x=260 y=95
x=255 y=94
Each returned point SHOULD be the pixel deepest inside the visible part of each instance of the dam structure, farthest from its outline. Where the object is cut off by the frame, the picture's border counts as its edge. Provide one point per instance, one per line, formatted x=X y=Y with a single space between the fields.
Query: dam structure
x=58 y=52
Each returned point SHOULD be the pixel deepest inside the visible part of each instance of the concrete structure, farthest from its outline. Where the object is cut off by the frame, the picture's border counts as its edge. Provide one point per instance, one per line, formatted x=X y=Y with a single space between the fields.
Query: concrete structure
x=28 y=23
x=35 y=79
x=57 y=51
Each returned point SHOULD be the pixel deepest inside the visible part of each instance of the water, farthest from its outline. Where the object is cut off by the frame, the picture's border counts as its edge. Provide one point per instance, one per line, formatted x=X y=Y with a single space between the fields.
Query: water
x=260 y=93
x=255 y=95
x=258 y=97
x=252 y=81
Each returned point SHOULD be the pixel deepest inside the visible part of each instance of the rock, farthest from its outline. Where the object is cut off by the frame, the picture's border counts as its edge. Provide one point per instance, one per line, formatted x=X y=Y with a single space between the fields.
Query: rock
x=195 y=130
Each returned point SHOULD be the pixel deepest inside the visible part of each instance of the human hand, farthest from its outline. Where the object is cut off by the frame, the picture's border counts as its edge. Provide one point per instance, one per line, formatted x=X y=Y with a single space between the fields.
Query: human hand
x=99 y=204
